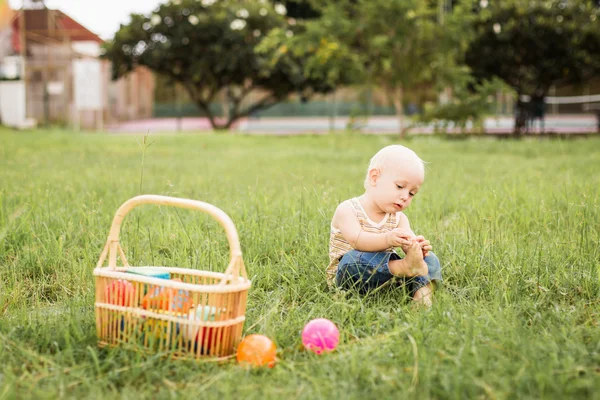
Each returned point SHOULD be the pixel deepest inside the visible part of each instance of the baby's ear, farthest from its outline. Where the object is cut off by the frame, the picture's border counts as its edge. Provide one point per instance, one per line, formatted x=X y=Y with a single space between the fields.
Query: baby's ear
x=374 y=175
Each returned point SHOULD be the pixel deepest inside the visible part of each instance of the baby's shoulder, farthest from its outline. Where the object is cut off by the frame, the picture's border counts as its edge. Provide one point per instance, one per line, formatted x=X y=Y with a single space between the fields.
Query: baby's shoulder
x=344 y=211
x=344 y=207
x=401 y=219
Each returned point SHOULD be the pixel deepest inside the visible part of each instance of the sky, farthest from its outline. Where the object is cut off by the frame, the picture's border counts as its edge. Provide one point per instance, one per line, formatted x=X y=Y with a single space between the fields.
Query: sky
x=101 y=17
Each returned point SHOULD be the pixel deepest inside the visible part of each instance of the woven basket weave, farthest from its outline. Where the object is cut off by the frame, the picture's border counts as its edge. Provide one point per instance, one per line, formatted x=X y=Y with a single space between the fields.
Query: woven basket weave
x=194 y=314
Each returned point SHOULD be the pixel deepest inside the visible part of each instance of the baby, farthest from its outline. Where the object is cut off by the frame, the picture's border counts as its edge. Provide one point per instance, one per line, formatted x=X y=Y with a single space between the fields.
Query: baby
x=365 y=230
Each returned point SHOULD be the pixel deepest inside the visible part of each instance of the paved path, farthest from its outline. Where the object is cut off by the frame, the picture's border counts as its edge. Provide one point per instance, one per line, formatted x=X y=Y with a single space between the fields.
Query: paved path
x=309 y=125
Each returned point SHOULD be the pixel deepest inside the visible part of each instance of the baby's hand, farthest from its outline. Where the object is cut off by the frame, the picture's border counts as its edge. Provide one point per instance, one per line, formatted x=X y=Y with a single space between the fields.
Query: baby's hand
x=399 y=238
x=425 y=245
x=409 y=235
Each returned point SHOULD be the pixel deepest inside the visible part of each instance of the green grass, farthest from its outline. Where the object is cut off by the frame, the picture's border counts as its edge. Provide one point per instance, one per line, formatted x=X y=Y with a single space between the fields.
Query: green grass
x=516 y=225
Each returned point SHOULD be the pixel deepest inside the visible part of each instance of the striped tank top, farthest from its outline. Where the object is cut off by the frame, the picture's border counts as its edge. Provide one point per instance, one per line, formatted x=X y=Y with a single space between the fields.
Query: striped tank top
x=338 y=245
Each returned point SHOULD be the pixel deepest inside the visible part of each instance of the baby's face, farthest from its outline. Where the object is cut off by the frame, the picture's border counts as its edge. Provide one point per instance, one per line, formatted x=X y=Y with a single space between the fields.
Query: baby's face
x=396 y=186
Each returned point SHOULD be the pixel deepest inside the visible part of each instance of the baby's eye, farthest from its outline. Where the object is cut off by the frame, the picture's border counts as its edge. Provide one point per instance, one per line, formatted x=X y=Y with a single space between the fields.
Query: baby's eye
x=399 y=187
x=412 y=194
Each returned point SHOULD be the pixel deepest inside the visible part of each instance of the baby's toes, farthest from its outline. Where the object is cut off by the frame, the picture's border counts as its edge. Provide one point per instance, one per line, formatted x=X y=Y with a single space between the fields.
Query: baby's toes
x=415 y=246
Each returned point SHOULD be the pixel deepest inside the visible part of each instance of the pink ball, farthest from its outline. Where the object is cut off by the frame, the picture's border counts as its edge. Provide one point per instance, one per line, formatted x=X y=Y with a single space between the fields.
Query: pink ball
x=320 y=335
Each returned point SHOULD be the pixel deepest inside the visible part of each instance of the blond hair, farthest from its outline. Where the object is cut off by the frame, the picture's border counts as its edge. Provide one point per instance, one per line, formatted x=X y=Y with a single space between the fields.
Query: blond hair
x=395 y=151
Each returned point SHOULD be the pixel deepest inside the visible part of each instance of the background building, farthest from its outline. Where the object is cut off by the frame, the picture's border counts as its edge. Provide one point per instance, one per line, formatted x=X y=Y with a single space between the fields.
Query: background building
x=51 y=73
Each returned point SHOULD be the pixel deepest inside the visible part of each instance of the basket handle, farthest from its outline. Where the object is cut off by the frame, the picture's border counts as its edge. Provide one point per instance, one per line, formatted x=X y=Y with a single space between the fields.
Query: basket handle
x=236 y=264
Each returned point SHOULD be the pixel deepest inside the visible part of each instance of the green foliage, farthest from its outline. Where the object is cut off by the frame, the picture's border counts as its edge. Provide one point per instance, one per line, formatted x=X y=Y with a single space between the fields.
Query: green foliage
x=469 y=104
x=209 y=47
x=400 y=45
x=517 y=316
x=536 y=44
x=318 y=43
x=300 y=9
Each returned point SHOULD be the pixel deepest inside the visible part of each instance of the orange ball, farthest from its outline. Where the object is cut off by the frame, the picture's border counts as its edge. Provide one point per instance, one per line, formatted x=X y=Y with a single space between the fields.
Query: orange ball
x=257 y=351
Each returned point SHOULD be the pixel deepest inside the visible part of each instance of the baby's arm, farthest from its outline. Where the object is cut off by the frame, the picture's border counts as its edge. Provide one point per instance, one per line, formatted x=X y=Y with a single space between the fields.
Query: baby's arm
x=404 y=224
x=346 y=221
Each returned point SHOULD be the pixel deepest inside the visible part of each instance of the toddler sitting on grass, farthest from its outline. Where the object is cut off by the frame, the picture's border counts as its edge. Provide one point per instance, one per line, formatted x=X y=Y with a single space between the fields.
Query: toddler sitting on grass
x=365 y=230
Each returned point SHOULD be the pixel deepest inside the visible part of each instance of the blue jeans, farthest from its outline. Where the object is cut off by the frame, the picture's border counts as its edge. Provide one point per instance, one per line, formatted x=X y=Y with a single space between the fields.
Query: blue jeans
x=367 y=271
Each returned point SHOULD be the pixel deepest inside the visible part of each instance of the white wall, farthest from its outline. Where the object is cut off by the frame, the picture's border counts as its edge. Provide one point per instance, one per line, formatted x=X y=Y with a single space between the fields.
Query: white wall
x=87 y=48
x=6 y=42
x=11 y=67
x=12 y=103
x=88 y=82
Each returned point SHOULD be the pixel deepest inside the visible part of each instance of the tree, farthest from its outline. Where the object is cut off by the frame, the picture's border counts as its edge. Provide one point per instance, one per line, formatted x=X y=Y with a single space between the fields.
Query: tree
x=470 y=102
x=399 y=45
x=300 y=9
x=534 y=45
x=209 y=47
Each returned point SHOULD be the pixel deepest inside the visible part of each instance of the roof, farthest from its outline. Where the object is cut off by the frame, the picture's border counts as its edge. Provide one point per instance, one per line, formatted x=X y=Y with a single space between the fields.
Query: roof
x=48 y=25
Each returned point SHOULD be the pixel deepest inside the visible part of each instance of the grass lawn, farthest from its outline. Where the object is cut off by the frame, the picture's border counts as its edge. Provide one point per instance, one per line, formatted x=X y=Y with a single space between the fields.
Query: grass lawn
x=516 y=225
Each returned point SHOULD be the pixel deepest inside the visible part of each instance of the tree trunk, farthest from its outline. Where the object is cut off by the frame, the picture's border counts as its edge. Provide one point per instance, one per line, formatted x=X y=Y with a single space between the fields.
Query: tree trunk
x=397 y=99
x=521 y=117
x=225 y=103
x=232 y=117
x=211 y=118
x=231 y=109
x=230 y=121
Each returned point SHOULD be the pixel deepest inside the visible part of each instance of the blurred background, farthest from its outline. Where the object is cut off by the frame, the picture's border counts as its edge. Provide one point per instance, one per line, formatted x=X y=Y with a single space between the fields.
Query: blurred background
x=378 y=66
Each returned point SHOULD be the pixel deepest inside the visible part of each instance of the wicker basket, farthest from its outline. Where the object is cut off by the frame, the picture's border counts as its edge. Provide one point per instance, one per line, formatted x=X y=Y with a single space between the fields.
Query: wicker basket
x=195 y=314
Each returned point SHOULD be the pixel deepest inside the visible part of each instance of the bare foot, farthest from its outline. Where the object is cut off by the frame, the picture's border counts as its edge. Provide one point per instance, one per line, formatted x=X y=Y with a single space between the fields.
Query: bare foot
x=412 y=265
x=424 y=296
x=414 y=261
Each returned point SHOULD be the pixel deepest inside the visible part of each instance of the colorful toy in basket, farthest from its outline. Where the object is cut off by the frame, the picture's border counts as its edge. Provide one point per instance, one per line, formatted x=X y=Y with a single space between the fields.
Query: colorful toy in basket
x=198 y=334
x=320 y=335
x=169 y=299
x=149 y=272
x=257 y=351
x=163 y=303
x=120 y=292
x=162 y=329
